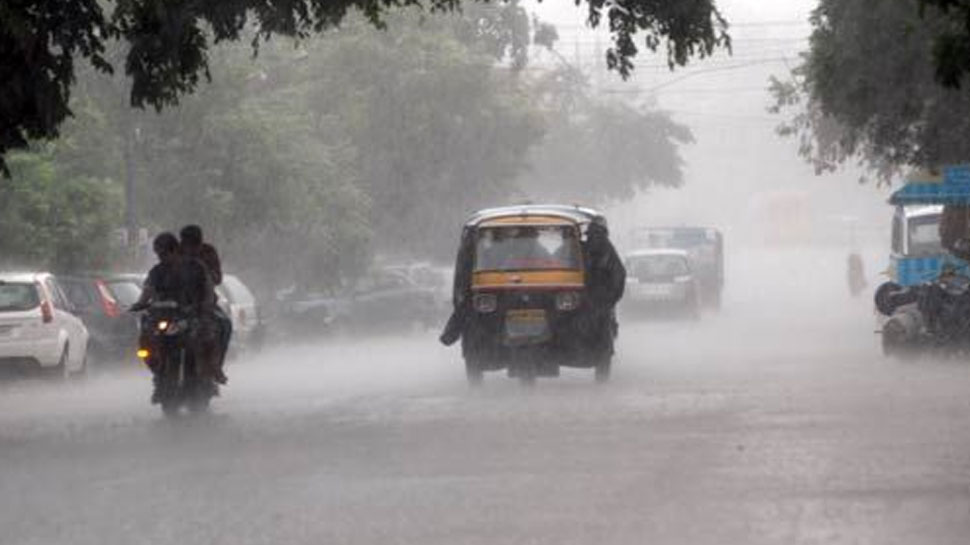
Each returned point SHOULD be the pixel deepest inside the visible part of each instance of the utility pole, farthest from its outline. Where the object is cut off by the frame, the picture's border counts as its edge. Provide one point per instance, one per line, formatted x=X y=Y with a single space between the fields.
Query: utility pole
x=131 y=214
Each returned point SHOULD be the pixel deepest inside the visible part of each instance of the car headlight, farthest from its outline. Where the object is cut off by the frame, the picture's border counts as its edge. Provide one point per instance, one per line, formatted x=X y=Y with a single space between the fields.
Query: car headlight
x=567 y=300
x=485 y=302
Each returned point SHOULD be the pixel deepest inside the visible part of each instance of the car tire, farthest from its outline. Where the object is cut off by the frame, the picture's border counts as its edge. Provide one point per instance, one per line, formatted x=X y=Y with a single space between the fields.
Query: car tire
x=59 y=371
x=82 y=372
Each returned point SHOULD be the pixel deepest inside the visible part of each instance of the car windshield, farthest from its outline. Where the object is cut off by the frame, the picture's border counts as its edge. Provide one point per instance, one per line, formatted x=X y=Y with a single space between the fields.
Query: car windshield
x=658 y=267
x=125 y=292
x=509 y=248
x=676 y=238
x=18 y=296
x=924 y=235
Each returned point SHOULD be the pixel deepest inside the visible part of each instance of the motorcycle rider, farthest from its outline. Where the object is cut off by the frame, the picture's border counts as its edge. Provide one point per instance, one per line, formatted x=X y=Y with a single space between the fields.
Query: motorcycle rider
x=163 y=282
x=172 y=279
x=194 y=247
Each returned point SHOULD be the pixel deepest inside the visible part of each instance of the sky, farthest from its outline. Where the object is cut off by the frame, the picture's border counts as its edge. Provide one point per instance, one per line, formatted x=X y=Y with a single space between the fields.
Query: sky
x=739 y=175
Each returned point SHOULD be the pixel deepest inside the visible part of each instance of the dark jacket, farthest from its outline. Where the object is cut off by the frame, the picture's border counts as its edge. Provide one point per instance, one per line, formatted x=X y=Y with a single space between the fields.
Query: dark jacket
x=605 y=273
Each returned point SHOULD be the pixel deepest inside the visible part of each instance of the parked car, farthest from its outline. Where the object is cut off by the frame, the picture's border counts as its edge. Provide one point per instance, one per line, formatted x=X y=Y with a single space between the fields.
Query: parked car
x=37 y=328
x=661 y=281
x=386 y=299
x=101 y=301
x=304 y=314
x=383 y=299
x=436 y=280
x=239 y=303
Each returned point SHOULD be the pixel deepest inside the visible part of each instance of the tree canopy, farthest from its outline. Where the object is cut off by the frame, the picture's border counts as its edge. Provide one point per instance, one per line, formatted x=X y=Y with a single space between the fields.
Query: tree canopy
x=624 y=147
x=168 y=43
x=869 y=89
x=305 y=162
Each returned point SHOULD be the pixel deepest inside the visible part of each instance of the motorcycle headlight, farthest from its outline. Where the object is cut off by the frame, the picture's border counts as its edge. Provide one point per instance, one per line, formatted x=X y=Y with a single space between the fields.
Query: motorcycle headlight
x=567 y=300
x=485 y=302
x=162 y=325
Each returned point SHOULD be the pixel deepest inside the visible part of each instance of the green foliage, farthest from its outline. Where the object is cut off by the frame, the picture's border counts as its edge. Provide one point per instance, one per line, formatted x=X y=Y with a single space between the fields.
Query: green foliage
x=49 y=219
x=302 y=163
x=438 y=131
x=867 y=90
x=951 y=47
x=168 y=43
x=623 y=148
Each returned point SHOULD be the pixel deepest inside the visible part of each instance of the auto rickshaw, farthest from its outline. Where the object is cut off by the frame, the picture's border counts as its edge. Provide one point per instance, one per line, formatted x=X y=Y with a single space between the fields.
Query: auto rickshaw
x=926 y=304
x=521 y=296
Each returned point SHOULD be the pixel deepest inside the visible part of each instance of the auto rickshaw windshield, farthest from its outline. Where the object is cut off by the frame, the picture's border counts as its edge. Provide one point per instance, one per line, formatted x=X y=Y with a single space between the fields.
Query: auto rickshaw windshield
x=518 y=247
x=924 y=235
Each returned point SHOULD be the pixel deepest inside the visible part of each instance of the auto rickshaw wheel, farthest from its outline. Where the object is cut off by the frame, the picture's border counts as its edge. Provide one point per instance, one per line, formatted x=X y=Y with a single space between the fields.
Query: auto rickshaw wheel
x=527 y=373
x=602 y=369
x=474 y=373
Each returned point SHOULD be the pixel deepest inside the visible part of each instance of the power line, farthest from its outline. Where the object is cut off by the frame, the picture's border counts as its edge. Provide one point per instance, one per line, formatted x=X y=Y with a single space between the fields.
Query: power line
x=739 y=24
x=716 y=69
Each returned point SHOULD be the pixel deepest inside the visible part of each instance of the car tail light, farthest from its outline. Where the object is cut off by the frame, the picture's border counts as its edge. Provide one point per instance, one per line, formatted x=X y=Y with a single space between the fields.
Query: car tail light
x=47 y=312
x=108 y=302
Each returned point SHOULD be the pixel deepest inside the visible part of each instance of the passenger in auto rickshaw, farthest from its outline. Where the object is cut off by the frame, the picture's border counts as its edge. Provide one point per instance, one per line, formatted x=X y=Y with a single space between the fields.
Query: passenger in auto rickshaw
x=605 y=280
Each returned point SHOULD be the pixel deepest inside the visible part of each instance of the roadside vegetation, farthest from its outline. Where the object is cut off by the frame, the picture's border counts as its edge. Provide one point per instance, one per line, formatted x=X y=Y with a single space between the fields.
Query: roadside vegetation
x=304 y=162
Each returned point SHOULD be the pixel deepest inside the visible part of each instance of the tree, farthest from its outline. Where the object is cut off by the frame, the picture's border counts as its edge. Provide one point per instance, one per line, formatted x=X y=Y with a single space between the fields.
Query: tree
x=242 y=160
x=439 y=131
x=168 y=44
x=951 y=46
x=52 y=219
x=623 y=147
x=866 y=89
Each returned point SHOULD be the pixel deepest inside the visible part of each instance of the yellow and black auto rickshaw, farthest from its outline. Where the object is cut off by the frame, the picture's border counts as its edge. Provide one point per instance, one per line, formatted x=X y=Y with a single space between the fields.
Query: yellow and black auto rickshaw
x=521 y=294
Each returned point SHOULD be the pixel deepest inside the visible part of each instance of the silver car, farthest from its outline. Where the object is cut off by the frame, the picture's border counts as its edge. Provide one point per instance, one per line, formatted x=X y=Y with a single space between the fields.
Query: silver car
x=661 y=281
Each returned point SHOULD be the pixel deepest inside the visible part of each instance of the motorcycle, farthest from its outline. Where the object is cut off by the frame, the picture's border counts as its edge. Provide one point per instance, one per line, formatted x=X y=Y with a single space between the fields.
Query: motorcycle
x=164 y=347
x=933 y=316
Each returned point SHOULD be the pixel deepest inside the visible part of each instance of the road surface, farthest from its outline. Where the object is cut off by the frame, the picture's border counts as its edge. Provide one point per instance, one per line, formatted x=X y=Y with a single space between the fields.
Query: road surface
x=774 y=422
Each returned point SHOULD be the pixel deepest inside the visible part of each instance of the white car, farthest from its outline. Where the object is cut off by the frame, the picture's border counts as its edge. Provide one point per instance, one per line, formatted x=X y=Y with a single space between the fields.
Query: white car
x=239 y=303
x=661 y=280
x=37 y=327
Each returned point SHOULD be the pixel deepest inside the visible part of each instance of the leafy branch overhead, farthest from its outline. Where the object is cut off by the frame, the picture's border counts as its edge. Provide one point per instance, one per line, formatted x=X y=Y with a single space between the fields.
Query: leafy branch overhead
x=879 y=85
x=168 y=43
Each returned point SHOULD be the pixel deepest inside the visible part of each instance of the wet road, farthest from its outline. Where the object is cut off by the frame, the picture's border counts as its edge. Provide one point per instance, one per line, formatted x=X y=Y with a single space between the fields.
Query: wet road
x=777 y=421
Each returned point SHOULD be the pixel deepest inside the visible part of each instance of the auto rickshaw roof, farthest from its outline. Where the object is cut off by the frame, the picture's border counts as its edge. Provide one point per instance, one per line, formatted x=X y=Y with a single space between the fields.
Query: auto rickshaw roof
x=952 y=186
x=573 y=214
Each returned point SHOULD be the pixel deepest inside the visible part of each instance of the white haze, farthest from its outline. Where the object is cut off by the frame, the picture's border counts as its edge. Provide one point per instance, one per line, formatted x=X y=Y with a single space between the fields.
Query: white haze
x=776 y=420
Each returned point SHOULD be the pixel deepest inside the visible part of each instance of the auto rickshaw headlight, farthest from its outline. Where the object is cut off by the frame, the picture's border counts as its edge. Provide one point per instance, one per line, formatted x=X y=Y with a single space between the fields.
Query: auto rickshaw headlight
x=567 y=300
x=485 y=302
